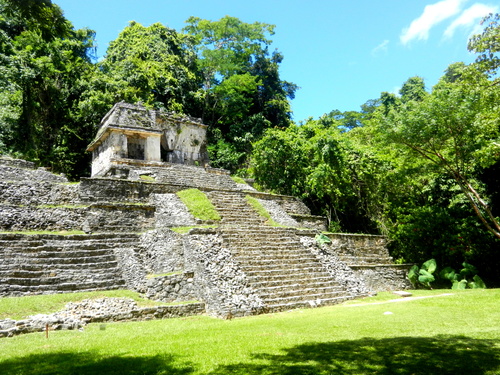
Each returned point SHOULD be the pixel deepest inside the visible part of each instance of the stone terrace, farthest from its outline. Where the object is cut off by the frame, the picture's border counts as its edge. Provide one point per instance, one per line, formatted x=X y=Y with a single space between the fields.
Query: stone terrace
x=242 y=267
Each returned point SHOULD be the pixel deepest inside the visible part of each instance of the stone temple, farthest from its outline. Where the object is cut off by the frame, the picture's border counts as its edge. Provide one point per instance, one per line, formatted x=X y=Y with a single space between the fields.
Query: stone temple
x=133 y=133
x=126 y=227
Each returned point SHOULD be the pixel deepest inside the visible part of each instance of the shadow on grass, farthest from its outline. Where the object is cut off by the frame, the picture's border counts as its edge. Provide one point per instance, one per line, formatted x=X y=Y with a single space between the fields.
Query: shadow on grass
x=440 y=355
x=89 y=363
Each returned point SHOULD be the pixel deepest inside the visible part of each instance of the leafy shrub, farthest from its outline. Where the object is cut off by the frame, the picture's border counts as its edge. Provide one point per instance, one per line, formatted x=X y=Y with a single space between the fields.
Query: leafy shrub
x=464 y=278
x=423 y=276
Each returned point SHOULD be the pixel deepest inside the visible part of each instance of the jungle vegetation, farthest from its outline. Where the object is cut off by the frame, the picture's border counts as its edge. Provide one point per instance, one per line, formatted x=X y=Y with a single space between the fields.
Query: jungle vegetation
x=421 y=167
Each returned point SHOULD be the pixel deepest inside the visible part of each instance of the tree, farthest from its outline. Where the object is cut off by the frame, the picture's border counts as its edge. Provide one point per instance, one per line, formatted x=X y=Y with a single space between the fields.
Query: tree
x=455 y=128
x=487 y=45
x=41 y=72
x=332 y=172
x=152 y=65
x=413 y=90
x=242 y=93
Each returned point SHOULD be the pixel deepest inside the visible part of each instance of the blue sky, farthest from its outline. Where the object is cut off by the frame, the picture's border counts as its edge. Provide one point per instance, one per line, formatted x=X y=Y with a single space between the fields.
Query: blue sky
x=340 y=53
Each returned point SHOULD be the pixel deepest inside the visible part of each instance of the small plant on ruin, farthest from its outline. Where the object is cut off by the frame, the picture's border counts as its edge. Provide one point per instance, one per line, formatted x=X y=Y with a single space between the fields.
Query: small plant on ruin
x=322 y=239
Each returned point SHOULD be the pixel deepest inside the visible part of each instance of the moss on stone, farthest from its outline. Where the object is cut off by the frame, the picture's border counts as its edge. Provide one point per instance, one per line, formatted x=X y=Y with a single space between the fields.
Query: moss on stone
x=198 y=204
x=259 y=208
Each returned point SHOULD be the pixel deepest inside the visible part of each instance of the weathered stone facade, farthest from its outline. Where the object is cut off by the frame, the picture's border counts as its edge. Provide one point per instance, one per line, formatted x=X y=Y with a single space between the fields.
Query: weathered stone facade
x=133 y=132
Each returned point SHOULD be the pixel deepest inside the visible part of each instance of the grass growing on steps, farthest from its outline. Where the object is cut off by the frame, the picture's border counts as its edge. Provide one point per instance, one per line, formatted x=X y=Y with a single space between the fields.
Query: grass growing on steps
x=259 y=208
x=454 y=334
x=198 y=204
x=21 y=307
x=183 y=230
x=238 y=180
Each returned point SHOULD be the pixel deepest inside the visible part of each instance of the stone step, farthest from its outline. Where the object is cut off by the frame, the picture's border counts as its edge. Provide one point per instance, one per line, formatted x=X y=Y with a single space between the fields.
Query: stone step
x=64 y=279
x=280 y=256
x=268 y=232
x=279 y=263
x=284 y=305
x=63 y=287
x=296 y=289
x=303 y=272
x=259 y=283
x=34 y=260
x=366 y=259
x=64 y=243
x=60 y=246
x=303 y=283
x=303 y=297
x=26 y=269
x=63 y=253
x=269 y=251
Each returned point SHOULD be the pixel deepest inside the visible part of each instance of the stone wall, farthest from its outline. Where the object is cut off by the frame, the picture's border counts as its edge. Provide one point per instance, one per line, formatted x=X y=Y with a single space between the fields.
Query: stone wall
x=384 y=277
x=291 y=205
x=171 y=288
x=162 y=251
x=16 y=163
x=108 y=217
x=104 y=310
x=21 y=170
x=119 y=190
x=37 y=193
x=32 y=218
x=368 y=258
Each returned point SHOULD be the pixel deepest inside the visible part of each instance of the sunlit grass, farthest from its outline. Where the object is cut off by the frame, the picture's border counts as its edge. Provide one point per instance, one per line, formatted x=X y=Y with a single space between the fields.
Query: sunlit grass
x=453 y=334
x=198 y=204
x=238 y=180
x=259 y=208
x=183 y=230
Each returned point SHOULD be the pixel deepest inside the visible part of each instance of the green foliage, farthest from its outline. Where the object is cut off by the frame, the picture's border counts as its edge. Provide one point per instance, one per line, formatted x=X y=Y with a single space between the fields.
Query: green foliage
x=322 y=239
x=487 y=46
x=328 y=168
x=238 y=180
x=184 y=230
x=241 y=94
x=467 y=277
x=43 y=71
x=424 y=275
x=198 y=204
x=151 y=65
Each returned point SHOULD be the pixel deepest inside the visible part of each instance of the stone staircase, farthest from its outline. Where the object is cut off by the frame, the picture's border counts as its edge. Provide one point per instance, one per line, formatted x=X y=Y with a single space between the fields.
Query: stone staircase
x=281 y=270
x=234 y=208
x=46 y=263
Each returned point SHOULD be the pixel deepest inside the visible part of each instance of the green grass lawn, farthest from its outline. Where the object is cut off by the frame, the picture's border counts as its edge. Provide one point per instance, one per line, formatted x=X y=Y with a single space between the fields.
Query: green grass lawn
x=445 y=334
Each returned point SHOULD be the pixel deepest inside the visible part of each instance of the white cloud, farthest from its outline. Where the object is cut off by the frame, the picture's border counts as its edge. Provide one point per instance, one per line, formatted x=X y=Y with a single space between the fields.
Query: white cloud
x=469 y=19
x=432 y=15
x=381 y=48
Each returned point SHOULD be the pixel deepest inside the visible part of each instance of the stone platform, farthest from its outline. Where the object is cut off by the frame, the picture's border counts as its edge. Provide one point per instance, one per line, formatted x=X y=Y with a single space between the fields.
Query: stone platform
x=115 y=231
